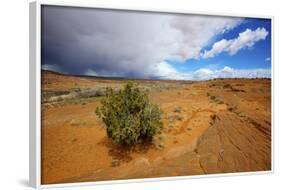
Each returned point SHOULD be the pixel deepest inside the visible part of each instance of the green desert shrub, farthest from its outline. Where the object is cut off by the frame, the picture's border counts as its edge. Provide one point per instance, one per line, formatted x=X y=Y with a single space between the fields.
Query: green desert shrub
x=129 y=116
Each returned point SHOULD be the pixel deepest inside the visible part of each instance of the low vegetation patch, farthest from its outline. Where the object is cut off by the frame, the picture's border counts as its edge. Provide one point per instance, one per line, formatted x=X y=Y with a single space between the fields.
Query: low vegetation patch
x=212 y=97
x=178 y=109
x=173 y=118
x=231 y=88
x=78 y=122
x=216 y=99
x=72 y=96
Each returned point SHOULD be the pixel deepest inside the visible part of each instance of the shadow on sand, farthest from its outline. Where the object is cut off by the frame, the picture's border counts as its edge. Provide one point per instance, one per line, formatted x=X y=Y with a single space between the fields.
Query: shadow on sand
x=122 y=154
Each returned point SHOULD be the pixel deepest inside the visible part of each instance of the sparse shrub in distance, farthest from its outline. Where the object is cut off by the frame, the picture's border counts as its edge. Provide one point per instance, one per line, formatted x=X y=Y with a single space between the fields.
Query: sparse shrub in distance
x=213 y=117
x=59 y=99
x=174 y=118
x=129 y=116
x=230 y=108
x=177 y=109
x=180 y=118
x=212 y=97
x=218 y=100
x=99 y=93
x=78 y=122
x=227 y=86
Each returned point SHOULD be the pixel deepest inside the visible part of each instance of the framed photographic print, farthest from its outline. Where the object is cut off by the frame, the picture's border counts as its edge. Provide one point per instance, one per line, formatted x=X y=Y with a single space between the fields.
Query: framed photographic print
x=120 y=94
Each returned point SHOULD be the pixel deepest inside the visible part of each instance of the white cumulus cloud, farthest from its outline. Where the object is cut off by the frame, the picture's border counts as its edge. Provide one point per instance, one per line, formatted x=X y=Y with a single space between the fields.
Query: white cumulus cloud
x=196 y=31
x=164 y=70
x=245 y=39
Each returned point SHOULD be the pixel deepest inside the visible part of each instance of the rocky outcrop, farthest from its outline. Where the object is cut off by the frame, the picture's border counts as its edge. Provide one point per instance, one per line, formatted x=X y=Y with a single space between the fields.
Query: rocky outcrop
x=234 y=145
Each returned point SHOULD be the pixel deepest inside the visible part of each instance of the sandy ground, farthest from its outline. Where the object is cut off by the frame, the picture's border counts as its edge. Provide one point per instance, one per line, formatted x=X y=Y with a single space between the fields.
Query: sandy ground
x=216 y=126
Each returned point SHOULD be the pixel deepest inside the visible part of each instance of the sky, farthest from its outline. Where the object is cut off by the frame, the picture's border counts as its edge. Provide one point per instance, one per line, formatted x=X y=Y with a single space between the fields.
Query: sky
x=147 y=45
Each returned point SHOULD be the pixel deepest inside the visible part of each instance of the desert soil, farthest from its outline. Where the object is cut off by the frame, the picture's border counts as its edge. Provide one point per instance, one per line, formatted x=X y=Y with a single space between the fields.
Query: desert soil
x=216 y=126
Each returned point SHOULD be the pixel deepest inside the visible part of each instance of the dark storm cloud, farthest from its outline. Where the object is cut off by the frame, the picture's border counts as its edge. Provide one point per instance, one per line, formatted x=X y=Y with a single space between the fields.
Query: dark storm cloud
x=61 y=46
x=122 y=43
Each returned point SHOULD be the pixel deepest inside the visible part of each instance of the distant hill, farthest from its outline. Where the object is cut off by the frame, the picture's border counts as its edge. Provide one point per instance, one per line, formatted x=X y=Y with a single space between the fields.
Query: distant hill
x=110 y=78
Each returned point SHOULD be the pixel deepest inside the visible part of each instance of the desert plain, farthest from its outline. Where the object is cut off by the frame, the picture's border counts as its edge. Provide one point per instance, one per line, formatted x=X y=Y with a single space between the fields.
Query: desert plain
x=214 y=126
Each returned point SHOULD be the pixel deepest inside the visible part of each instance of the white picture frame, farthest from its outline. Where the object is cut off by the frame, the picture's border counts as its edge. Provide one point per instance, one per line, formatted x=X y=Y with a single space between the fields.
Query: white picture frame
x=35 y=92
